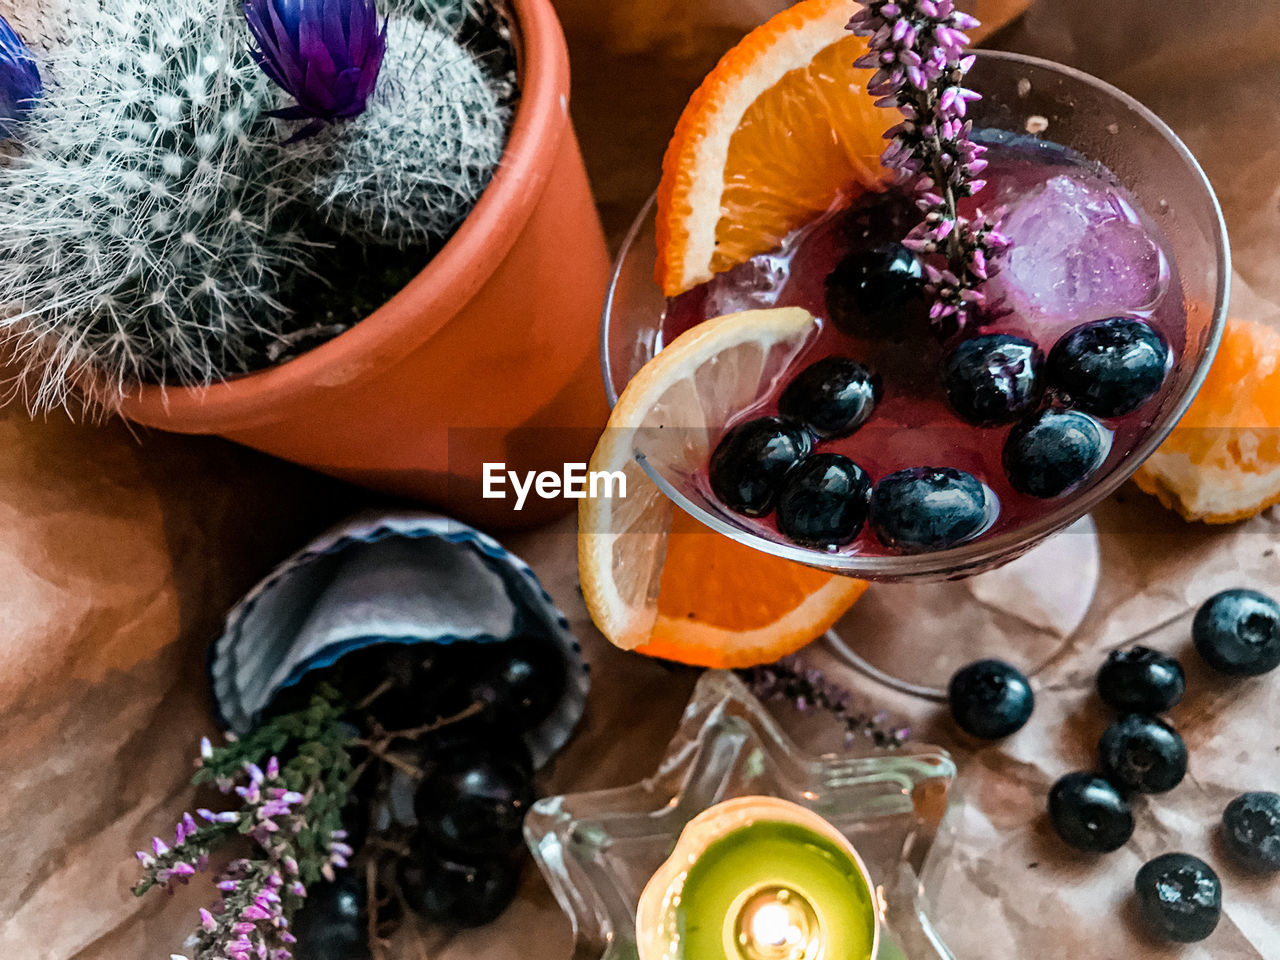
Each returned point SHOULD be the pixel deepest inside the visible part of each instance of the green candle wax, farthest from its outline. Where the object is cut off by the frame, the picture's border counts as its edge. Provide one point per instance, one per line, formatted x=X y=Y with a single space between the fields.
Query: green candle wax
x=773 y=890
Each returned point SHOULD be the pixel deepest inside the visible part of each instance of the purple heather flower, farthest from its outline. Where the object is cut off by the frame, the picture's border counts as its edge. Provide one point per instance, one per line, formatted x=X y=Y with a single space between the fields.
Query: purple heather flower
x=20 y=84
x=917 y=49
x=326 y=54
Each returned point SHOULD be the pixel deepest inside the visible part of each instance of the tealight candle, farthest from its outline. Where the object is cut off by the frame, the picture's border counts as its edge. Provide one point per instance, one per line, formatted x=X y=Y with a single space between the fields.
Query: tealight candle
x=759 y=878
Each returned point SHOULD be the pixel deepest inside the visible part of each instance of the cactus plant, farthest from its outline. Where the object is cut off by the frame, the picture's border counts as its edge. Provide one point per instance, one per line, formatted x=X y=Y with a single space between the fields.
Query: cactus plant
x=409 y=168
x=144 y=238
x=152 y=229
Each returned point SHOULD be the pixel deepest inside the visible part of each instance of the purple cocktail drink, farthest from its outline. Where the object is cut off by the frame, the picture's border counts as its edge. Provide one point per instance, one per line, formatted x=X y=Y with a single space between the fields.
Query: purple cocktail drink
x=1083 y=251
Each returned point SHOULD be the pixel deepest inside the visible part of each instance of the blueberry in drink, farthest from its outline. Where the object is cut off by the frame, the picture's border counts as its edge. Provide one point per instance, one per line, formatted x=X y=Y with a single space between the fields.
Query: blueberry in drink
x=751 y=460
x=824 y=501
x=994 y=378
x=1054 y=452
x=871 y=291
x=929 y=508
x=832 y=397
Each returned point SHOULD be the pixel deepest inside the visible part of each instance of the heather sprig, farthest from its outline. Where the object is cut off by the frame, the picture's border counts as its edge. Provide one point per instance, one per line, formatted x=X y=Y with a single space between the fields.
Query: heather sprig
x=807 y=688
x=918 y=50
x=290 y=814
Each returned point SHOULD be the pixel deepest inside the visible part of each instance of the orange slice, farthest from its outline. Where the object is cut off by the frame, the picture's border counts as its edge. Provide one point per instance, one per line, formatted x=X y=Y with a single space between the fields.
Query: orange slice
x=655 y=579
x=1221 y=464
x=776 y=134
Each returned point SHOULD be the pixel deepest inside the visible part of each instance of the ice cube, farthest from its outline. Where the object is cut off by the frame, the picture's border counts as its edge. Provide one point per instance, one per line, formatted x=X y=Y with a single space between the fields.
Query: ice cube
x=1080 y=252
x=754 y=285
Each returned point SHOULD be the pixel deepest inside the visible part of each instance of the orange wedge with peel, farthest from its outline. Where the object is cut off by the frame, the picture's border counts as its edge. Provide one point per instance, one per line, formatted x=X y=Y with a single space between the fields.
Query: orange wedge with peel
x=777 y=134
x=656 y=580
x=1221 y=463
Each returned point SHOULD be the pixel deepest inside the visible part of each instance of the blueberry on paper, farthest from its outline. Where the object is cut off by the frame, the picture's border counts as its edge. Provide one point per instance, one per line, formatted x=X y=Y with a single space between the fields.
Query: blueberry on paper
x=1143 y=754
x=1141 y=680
x=1251 y=830
x=1180 y=897
x=1237 y=632
x=990 y=699
x=1089 y=813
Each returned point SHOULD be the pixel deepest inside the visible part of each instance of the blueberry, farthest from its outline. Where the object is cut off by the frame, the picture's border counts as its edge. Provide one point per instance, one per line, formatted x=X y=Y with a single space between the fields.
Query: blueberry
x=824 y=501
x=477 y=739
x=750 y=461
x=994 y=378
x=462 y=893
x=410 y=684
x=1109 y=367
x=1251 y=829
x=930 y=508
x=520 y=682
x=1054 y=452
x=990 y=699
x=1237 y=632
x=1089 y=813
x=1141 y=680
x=870 y=291
x=331 y=924
x=832 y=397
x=475 y=804
x=1143 y=754
x=1180 y=897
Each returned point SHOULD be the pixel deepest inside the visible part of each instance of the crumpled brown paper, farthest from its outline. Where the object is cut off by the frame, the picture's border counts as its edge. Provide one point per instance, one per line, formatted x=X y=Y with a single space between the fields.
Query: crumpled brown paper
x=120 y=558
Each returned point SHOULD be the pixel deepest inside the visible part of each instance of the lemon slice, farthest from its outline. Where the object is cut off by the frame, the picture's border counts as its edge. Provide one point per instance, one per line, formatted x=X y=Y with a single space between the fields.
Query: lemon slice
x=653 y=577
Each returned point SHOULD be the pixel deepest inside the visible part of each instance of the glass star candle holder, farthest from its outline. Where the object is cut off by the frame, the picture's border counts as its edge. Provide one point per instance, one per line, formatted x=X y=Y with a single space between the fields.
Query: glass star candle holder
x=599 y=850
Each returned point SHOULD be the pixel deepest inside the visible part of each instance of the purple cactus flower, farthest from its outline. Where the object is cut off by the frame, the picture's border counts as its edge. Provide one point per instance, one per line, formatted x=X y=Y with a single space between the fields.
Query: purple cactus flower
x=326 y=54
x=20 y=84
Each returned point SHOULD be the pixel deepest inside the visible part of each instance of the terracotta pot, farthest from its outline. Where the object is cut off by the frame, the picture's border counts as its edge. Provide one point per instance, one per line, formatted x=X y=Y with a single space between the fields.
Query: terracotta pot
x=488 y=355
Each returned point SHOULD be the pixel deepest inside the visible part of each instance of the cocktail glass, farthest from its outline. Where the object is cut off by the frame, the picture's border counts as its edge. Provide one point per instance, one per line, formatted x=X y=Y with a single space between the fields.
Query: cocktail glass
x=938 y=610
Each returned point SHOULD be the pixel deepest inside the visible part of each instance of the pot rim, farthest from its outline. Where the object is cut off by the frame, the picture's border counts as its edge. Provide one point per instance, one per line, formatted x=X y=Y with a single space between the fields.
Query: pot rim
x=443 y=287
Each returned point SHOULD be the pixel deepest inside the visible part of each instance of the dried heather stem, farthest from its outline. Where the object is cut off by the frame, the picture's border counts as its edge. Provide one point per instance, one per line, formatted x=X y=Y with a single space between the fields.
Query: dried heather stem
x=806 y=688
